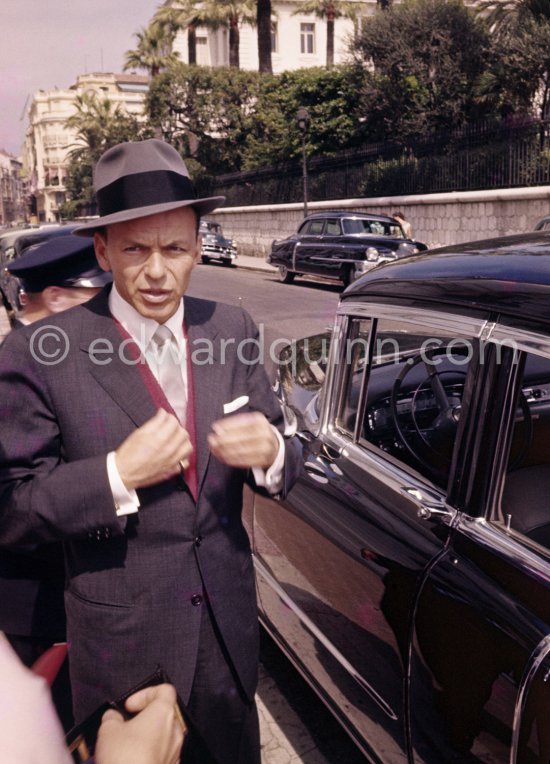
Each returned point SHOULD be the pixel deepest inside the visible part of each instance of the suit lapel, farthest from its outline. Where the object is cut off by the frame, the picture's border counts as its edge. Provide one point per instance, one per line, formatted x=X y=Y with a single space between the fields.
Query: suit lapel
x=123 y=381
x=120 y=377
x=208 y=375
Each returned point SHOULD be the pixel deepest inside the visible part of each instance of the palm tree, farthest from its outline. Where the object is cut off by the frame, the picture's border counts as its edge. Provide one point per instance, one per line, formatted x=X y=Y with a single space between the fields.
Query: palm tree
x=502 y=15
x=98 y=124
x=329 y=10
x=180 y=15
x=153 y=51
x=263 y=22
x=229 y=14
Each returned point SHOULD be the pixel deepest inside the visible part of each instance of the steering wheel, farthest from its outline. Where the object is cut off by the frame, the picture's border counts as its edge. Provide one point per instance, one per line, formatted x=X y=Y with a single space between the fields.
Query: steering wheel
x=437 y=437
x=431 y=442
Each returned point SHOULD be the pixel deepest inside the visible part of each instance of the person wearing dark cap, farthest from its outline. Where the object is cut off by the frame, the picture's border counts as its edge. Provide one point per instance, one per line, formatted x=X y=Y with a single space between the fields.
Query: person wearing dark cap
x=145 y=413
x=56 y=275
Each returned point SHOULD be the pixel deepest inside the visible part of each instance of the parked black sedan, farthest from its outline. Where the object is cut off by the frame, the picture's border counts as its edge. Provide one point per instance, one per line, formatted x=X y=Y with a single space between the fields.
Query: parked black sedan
x=340 y=245
x=215 y=245
x=407 y=572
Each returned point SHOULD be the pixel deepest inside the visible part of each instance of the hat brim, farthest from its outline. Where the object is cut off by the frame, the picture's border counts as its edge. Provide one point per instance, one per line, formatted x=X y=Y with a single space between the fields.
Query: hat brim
x=202 y=207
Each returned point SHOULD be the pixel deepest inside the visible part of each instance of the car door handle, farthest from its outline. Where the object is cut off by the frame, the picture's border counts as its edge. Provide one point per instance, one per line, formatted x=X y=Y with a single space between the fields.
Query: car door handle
x=429 y=506
x=316 y=471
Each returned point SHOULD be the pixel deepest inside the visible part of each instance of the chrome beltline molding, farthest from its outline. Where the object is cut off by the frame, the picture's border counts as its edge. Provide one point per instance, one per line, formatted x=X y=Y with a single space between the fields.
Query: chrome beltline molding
x=312 y=628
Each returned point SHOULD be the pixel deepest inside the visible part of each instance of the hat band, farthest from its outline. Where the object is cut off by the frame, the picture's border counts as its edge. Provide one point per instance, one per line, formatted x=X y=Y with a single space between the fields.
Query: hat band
x=144 y=189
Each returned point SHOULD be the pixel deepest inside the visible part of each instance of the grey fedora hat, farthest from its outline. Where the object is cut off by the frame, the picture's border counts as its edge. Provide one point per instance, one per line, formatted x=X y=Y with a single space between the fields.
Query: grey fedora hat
x=140 y=178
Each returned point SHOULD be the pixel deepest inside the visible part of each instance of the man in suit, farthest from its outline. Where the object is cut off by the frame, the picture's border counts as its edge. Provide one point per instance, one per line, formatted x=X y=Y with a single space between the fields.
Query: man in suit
x=130 y=425
x=56 y=275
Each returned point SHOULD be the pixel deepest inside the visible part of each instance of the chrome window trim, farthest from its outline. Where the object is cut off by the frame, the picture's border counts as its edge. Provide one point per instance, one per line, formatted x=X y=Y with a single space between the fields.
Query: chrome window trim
x=487 y=533
x=474 y=327
x=375 y=462
x=523 y=339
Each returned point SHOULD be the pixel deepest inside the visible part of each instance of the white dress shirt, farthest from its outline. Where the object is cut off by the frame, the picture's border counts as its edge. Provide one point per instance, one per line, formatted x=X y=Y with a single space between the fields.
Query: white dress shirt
x=141 y=330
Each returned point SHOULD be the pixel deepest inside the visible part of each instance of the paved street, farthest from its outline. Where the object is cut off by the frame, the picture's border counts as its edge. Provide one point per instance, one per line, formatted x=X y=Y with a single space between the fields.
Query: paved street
x=295 y=726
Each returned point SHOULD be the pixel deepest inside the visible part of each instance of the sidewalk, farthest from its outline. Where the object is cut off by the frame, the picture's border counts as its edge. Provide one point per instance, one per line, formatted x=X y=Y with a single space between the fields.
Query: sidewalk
x=254 y=264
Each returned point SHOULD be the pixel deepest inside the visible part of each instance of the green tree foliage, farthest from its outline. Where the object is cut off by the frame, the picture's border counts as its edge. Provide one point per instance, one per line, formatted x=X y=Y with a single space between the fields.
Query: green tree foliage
x=153 y=51
x=518 y=81
x=329 y=95
x=99 y=124
x=427 y=58
x=180 y=15
x=504 y=16
x=205 y=112
x=230 y=120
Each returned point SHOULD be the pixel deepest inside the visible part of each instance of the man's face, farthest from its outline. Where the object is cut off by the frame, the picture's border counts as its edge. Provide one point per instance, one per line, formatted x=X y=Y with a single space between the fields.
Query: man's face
x=151 y=260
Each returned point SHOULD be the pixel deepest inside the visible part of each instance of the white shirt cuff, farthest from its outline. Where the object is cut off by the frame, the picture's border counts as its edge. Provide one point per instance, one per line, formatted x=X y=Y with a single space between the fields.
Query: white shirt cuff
x=272 y=478
x=126 y=502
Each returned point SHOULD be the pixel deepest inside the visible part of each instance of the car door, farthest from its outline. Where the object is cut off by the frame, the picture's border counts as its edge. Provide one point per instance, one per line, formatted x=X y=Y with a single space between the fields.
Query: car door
x=340 y=561
x=308 y=246
x=480 y=660
x=333 y=256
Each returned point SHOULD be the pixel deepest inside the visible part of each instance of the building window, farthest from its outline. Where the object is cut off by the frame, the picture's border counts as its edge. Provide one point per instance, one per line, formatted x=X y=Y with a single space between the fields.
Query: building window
x=201 y=43
x=274 y=37
x=307 y=38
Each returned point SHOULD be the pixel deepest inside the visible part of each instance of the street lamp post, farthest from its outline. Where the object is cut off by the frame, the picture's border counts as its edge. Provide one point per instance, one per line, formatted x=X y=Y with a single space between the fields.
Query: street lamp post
x=302 y=117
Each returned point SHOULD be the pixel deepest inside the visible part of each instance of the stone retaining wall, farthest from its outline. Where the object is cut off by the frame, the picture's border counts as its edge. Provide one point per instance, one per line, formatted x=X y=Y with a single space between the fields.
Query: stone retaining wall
x=437 y=219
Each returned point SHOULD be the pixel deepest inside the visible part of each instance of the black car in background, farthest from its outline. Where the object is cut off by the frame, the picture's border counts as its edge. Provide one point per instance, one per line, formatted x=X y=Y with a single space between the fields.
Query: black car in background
x=407 y=573
x=340 y=245
x=215 y=246
x=12 y=245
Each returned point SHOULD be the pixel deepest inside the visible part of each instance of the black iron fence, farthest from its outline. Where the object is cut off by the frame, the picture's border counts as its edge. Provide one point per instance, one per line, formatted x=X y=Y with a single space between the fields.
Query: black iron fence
x=483 y=156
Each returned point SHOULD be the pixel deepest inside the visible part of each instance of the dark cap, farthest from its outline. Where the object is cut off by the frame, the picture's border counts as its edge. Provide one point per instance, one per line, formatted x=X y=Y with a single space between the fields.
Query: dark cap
x=65 y=261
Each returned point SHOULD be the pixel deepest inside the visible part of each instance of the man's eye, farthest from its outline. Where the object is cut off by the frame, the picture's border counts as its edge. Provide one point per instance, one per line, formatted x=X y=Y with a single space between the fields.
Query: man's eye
x=133 y=248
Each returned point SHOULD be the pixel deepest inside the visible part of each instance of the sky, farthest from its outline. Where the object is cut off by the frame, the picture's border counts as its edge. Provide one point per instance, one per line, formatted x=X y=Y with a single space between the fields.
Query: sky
x=48 y=43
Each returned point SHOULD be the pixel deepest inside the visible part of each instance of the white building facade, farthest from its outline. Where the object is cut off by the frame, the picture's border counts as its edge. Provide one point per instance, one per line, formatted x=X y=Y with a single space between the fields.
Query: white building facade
x=48 y=142
x=299 y=40
x=12 y=199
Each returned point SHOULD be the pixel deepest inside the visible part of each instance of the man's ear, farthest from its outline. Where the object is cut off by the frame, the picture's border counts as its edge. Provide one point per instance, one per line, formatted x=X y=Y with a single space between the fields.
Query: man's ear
x=100 y=246
x=53 y=298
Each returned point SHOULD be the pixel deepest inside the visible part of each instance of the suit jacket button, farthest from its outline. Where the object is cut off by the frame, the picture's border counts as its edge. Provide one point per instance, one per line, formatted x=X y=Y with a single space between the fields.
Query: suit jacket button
x=198 y=540
x=196 y=600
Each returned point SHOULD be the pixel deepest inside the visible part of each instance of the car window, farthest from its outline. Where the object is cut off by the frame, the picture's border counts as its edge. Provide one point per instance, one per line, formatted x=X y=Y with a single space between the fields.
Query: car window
x=375 y=227
x=524 y=507
x=333 y=228
x=314 y=227
x=403 y=392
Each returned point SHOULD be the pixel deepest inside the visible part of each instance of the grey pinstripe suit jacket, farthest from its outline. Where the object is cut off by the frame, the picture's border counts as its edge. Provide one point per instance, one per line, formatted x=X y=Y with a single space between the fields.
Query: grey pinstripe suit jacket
x=130 y=583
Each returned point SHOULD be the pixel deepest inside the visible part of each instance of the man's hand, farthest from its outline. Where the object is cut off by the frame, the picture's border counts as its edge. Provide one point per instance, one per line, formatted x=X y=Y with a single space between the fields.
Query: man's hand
x=244 y=440
x=152 y=453
x=154 y=736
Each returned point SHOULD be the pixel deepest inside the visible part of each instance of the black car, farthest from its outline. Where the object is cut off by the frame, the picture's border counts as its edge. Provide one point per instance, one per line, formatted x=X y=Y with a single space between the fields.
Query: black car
x=215 y=246
x=543 y=224
x=9 y=287
x=407 y=573
x=12 y=245
x=340 y=245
